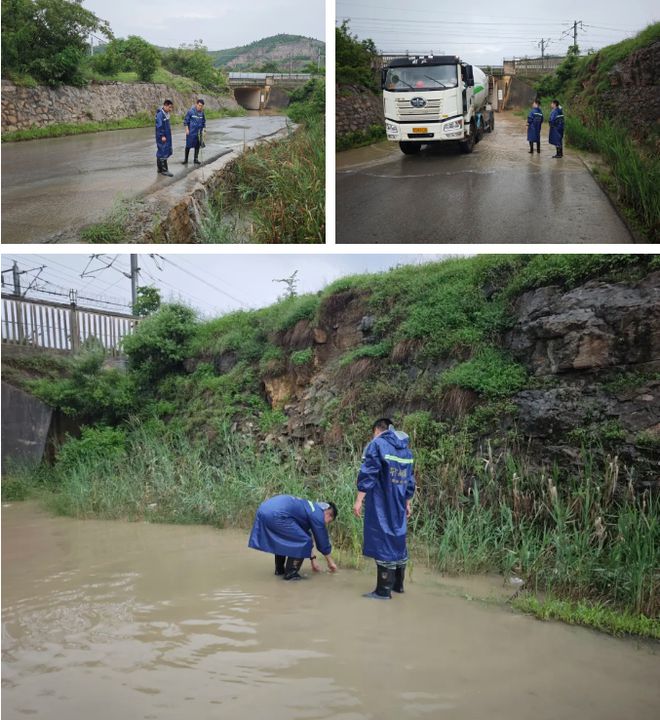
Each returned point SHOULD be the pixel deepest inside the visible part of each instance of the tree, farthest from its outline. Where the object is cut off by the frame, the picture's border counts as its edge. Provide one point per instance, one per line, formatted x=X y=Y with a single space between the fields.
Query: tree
x=47 y=39
x=356 y=59
x=194 y=61
x=160 y=342
x=148 y=301
x=134 y=54
x=269 y=67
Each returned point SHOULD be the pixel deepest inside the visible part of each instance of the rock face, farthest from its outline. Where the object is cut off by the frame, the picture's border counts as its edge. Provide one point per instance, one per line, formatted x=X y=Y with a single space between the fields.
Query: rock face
x=634 y=95
x=593 y=327
x=24 y=107
x=291 y=56
x=357 y=109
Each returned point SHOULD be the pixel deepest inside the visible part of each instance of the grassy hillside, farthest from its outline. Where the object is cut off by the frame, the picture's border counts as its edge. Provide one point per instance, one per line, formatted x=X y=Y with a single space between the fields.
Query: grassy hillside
x=612 y=107
x=215 y=416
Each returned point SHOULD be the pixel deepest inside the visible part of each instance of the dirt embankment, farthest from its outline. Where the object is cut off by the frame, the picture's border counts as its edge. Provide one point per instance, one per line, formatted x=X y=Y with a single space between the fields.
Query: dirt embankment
x=576 y=345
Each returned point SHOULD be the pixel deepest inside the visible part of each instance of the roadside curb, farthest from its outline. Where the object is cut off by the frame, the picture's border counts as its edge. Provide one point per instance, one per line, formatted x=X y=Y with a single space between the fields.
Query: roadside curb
x=634 y=234
x=173 y=213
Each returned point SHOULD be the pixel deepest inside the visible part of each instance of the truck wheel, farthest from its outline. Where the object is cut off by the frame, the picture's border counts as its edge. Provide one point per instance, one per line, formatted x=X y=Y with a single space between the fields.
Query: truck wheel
x=467 y=145
x=410 y=148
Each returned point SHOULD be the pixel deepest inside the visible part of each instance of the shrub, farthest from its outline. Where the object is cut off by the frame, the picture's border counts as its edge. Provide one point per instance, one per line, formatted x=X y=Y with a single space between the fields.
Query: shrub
x=490 y=372
x=160 y=343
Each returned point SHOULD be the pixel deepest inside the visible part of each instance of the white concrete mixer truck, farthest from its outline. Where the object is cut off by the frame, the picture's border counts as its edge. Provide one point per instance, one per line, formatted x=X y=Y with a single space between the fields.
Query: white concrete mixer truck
x=432 y=99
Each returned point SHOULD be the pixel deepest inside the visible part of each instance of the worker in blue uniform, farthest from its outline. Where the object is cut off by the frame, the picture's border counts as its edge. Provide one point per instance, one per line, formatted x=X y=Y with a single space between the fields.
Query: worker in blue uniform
x=163 y=137
x=534 y=122
x=557 y=128
x=195 y=122
x=288 y=527
x=386 y=485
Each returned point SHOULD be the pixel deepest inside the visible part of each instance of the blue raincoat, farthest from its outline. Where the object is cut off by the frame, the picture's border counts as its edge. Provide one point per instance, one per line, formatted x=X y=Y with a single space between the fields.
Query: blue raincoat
x=557 y=127
x=386 y=476
x=285 y=525
x=163 y=149
x=195 y=121
x=534 y=122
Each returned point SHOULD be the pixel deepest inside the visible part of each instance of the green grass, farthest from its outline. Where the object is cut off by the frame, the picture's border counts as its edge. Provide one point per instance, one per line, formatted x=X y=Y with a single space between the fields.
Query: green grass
x=635 y=175
x=593 y=615
x=281 y=186
x=360 y=138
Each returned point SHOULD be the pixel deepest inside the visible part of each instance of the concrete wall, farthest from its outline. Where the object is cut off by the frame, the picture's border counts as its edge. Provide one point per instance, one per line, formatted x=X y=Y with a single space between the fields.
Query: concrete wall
x=357 y=109
x=23 y=107
x=25 y=425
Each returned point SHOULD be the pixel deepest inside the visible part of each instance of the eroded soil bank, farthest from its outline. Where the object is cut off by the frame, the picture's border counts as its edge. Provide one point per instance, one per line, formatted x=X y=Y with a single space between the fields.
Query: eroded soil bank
x=110 y=619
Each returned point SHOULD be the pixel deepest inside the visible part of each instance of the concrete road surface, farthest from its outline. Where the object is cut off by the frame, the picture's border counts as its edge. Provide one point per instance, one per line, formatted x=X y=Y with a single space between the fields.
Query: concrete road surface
x=58 y=183
x=498 y=194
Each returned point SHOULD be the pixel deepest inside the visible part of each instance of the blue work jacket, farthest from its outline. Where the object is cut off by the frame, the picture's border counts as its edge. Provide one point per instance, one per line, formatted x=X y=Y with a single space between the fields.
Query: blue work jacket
x=556 y=126
x=195 y=121
x=163 y=129
x=534 y=122
x=285 y=525
x=386 y=476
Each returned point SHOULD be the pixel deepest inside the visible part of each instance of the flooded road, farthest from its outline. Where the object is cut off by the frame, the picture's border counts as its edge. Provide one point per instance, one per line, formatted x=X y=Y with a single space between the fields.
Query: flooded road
x=56 y=184
x=110 y=620
x=498 y=194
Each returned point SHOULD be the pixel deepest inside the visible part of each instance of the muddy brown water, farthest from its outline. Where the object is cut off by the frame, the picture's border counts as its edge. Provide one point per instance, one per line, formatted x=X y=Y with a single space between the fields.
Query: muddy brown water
x=109 y=620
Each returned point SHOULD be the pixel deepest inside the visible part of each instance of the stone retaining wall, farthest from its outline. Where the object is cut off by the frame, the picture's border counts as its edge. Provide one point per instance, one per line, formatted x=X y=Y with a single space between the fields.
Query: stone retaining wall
x=30 y=107
x=357 y=109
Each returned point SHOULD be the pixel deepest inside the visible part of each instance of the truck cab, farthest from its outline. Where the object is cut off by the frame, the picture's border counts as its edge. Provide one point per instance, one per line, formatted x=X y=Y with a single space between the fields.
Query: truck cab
x=432 y=99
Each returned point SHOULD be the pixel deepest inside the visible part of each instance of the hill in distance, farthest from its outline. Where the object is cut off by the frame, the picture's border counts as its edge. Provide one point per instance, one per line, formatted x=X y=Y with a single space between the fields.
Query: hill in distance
x=289 y=52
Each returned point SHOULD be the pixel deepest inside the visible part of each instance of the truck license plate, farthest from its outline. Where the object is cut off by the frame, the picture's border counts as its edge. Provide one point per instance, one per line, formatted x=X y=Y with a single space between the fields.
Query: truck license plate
x=420 y=130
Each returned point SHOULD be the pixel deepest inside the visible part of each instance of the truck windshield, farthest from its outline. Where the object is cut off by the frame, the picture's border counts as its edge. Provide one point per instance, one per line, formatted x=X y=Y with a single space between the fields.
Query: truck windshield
x=421 y=77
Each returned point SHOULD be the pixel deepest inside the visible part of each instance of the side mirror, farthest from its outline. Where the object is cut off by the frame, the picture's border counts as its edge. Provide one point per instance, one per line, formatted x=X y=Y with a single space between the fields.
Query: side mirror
x=383 y=75
x=469 y=76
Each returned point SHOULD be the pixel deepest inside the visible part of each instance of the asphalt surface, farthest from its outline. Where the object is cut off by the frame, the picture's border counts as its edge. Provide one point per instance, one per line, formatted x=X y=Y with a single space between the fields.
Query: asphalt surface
x=59 y=183
x=497 y=194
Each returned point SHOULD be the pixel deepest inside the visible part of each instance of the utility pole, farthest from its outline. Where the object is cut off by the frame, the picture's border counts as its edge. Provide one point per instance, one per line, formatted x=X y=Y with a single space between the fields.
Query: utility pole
x=135 y=270
x=543 y=44
x=17 y=279
x=575 y=32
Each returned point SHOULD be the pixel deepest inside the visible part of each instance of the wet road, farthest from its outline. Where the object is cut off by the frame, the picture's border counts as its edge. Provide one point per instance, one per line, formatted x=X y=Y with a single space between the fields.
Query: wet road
x=58 y=183
x=498 y=194
x=110 y=620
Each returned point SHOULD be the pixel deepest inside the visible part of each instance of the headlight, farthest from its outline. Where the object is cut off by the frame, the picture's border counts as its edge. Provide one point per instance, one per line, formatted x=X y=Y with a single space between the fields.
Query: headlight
x=453 y=125
x=390 y=128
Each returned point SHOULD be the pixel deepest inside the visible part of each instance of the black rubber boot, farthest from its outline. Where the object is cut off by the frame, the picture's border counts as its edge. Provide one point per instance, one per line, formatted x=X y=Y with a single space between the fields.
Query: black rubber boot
x=196 y=160
x=167 y=170
x=292 y=567
x=185 y=160
x=159 y=165
x=531 y=147
x=384 y=583
x=279 y=564
x=399 y=577
x=538 y=147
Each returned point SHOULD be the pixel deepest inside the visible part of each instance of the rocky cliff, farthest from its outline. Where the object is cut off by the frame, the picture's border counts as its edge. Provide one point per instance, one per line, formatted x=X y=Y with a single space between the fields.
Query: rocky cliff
x=591 y=356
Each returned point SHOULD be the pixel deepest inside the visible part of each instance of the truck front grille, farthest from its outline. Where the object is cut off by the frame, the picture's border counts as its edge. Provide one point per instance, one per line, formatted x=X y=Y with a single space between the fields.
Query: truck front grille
x=431 y=111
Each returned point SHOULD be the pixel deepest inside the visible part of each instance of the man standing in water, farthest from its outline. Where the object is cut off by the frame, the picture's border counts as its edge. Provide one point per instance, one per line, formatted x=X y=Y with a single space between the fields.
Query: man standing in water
x=386 y=485
x=285 y=526
x=163 y=138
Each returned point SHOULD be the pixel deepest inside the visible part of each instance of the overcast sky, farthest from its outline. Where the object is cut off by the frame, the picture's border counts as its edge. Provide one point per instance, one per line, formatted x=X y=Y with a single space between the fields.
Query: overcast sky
x=220 y=24
x=213 y=284
x=483 y=32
